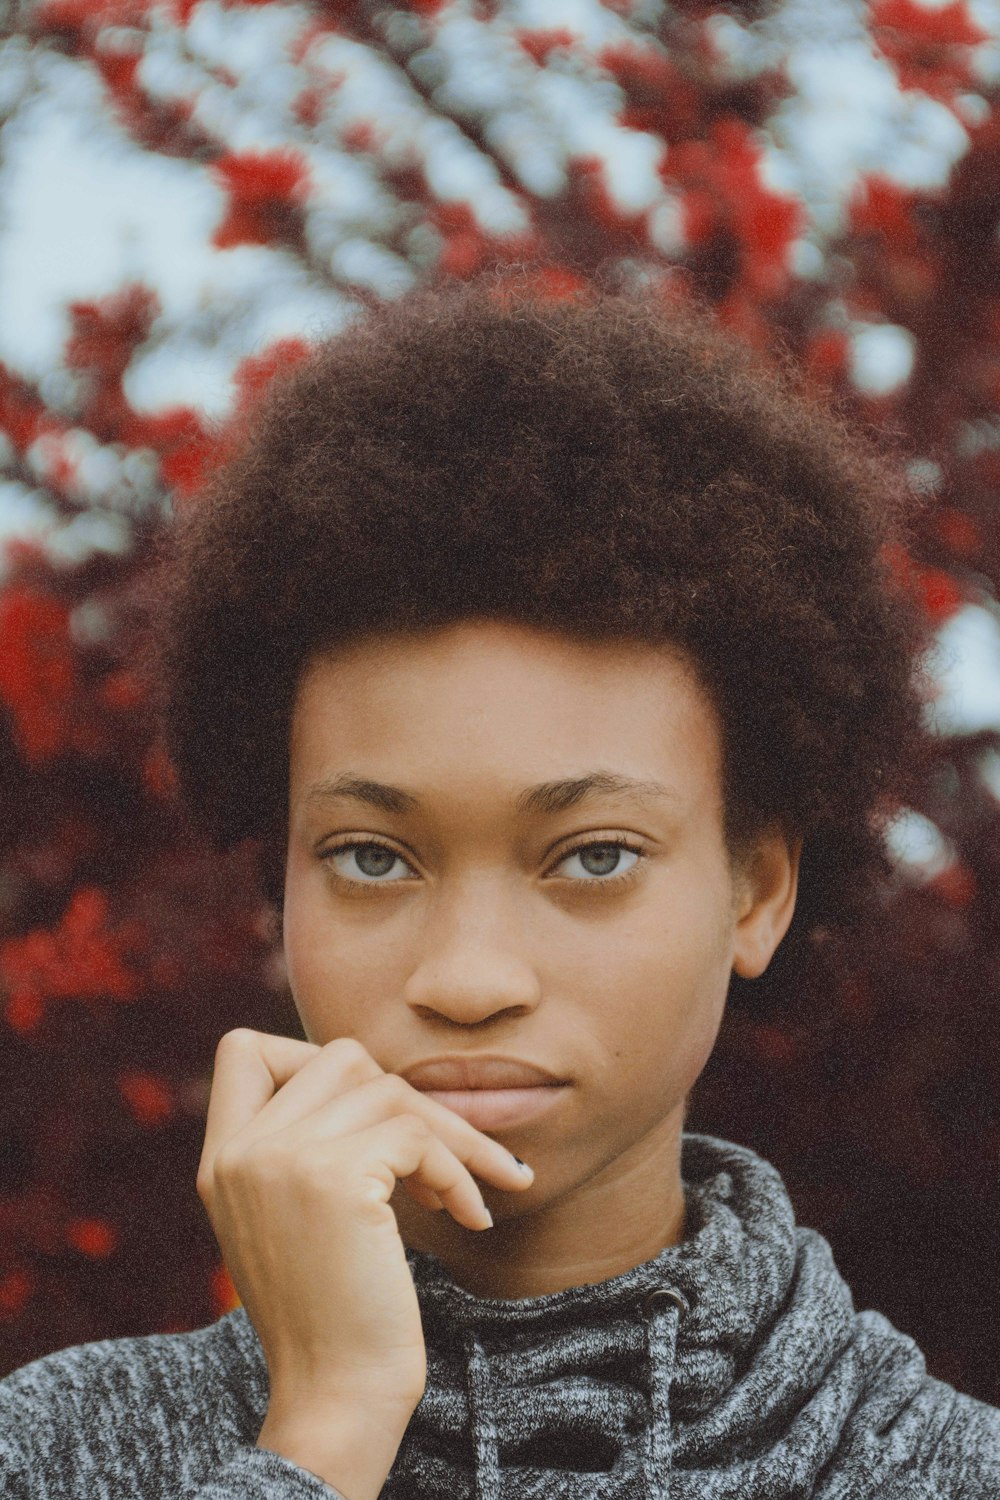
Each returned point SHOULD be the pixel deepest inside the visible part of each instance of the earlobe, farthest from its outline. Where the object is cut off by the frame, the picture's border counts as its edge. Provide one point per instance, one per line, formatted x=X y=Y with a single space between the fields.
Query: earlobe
x=770 y=885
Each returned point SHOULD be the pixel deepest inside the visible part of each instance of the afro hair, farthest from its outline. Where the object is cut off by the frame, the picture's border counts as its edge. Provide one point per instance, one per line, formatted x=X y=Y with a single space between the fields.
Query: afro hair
x=609 y=466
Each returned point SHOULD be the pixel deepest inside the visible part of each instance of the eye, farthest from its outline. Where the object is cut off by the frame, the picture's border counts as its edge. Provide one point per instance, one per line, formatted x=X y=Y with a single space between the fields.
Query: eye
x=374 y=859
x=600 y=852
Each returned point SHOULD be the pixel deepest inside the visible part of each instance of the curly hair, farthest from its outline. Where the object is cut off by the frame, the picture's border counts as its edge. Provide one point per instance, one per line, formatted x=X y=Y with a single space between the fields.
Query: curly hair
x=610 y=466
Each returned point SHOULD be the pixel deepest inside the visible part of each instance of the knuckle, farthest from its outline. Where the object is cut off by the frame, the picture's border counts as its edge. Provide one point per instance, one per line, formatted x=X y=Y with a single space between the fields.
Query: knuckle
x=227 y=1164
x=415 y=1126
x=396 y=1089
x=349 y=1052
x=235 y=1040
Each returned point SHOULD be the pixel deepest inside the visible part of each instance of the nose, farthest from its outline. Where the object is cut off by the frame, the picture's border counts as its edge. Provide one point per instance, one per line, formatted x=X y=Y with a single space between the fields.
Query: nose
x=474 y=962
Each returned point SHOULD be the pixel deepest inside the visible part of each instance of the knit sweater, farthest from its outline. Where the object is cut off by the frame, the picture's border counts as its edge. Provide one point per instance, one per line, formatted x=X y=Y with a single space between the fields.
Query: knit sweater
x=732 y=1366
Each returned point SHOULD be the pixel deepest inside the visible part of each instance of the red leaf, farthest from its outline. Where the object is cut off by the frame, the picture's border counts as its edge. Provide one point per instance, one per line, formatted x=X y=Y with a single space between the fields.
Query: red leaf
x=722 y=190
x=37 y=671
x=80 y=959
x=941 y=594
x=929 y=46
x=21 y=412
x=826 y=354
x=660 y=98
x=94 y=1237
x=255 y=374
x=225 y=1297
x=106 y=334
x=266 y=190
x=881 y=207
x=538 y=44
x=553 y=283
x=158 y=773
x=148 y=1096
x=77 y=18
x=956 y=885
x=17 y=1286
x=958 y=531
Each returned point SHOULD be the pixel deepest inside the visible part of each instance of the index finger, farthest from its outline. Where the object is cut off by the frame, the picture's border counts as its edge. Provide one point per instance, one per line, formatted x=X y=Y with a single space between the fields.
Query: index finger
x=250 y=1067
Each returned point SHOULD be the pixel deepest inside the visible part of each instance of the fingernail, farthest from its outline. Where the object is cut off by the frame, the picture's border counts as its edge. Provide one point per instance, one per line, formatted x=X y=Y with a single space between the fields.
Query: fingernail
x=489 y=1216
x=524 y=1165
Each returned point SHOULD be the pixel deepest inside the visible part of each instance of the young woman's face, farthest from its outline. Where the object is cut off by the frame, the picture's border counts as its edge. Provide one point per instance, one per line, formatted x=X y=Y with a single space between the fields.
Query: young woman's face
x=469 y=924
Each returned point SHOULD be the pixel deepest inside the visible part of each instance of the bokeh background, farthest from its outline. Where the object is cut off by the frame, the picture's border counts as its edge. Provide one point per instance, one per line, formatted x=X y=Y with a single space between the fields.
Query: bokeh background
x=192 y=192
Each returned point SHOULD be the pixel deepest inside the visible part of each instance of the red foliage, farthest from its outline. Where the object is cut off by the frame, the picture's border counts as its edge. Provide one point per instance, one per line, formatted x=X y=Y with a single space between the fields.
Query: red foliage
x=265 y=190
x=555 y=283
x=81 y=959
x=723 y=194
x=158 y=773
x=149 y=1097
x=91 y=806
x=22 y=414
x=93 y=1237
x=956 y=885
x=929 y=45
x=256 y=372
x=539 y=43
x=936 y=590
x=825 y=356
x=590 y=174
x=80 y=20
x=17 y=1287
x=958 y=531
x=224 y=1294
x=106 y=333
x=883 y=207
x=661 y=97
x=38 y=678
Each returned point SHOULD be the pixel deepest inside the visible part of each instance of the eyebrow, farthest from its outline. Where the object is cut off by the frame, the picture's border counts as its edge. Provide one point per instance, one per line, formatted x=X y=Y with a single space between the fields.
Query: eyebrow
x=548 y=797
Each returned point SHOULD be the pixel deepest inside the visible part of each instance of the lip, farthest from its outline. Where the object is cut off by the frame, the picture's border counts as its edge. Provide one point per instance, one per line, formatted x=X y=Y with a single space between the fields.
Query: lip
x=485 y=1072
x=495 y=1109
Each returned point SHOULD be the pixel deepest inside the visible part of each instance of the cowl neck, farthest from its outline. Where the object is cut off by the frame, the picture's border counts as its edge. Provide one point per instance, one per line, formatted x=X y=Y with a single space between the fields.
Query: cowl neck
x=726 y=1367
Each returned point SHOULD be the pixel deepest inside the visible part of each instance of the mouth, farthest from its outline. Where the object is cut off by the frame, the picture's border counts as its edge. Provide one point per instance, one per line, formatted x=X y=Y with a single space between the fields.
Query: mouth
x=495 y=1109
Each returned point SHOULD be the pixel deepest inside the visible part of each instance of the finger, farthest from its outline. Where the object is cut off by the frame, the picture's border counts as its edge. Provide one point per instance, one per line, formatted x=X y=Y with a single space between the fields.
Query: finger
x=387 y=1094
x=250 y=1066
x=425 y=1196
x=404 y=1146
x=345 y=1070
x=333 y=1069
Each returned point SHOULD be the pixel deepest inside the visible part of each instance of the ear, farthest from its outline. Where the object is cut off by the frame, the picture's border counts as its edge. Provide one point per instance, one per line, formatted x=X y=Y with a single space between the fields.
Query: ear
x=765 y=900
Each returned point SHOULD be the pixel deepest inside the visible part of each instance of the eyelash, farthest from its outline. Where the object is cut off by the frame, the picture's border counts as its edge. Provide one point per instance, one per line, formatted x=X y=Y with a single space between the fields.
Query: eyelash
x=616 y=881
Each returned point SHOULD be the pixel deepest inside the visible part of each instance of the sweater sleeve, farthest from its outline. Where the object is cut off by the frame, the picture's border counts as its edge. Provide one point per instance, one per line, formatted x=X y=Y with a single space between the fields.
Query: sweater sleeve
x=86 y=1421
x=261 y=1474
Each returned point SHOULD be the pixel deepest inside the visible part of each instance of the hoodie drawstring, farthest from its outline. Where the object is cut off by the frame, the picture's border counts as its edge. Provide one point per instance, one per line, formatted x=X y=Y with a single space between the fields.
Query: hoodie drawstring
x=662 y=1309
x=486 y=1458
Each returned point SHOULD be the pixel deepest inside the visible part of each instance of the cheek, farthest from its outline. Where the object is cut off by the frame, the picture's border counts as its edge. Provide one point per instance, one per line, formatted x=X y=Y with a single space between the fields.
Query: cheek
x=671 y=979
x=337 y=975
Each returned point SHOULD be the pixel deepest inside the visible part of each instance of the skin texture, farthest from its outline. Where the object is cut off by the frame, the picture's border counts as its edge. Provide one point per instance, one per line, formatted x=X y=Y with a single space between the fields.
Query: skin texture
x=486 y=935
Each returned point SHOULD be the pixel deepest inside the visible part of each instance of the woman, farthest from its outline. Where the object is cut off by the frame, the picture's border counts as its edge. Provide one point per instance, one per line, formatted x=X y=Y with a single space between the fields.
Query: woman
x=552 y=656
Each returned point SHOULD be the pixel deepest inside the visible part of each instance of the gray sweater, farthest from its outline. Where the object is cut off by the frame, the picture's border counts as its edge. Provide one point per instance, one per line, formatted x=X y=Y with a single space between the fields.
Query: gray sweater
x=730 y=1367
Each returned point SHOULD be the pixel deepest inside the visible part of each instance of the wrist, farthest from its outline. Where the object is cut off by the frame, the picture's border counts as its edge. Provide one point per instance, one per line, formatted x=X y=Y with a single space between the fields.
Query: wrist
x=351 y=1450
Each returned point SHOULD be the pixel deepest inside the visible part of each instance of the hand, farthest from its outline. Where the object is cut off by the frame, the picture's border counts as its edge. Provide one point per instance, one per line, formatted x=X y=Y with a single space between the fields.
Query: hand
x=303 y=1149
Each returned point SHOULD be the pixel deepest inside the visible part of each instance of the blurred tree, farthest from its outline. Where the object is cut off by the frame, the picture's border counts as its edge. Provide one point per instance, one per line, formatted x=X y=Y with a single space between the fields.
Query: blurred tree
x=345 y=151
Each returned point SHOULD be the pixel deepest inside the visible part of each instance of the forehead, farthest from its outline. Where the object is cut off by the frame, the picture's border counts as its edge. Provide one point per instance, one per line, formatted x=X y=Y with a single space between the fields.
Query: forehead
x=501 y=703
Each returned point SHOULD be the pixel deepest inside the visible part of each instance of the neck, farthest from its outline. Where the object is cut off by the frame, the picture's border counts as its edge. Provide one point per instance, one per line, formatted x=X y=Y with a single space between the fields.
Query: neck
x=619 y=1217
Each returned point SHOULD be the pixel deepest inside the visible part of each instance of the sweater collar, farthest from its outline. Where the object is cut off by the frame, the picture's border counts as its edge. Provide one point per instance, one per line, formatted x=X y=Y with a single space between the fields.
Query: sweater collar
x=693 y=1311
